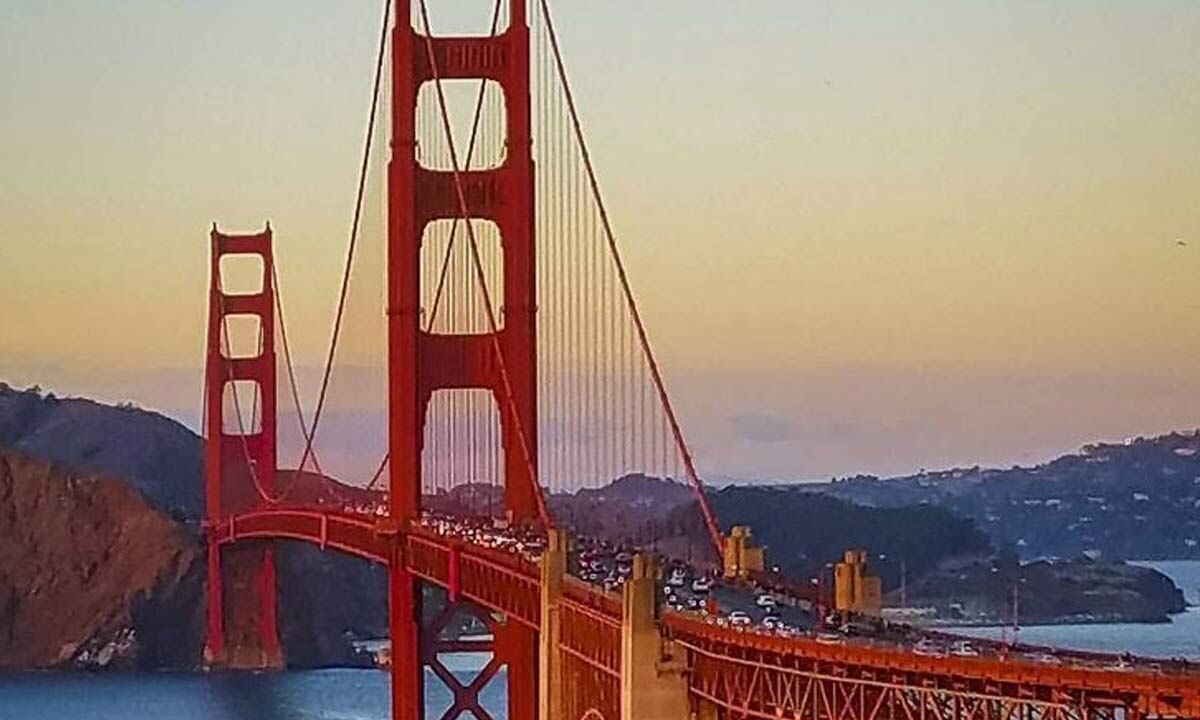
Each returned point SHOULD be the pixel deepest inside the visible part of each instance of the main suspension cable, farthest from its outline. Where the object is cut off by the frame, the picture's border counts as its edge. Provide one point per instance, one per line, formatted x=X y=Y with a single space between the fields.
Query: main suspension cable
x=354 y=226
x=291 y=373
x=710 y=522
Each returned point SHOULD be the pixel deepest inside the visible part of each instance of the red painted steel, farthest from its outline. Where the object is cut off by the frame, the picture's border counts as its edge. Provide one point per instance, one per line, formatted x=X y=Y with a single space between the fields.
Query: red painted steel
x=498 y=581
x=465 y=696
x=748 y=674
x=740 y=674
x=420 y=363
x=239 y=462
x=756 y=675
x=356 y=535
x=590 y=650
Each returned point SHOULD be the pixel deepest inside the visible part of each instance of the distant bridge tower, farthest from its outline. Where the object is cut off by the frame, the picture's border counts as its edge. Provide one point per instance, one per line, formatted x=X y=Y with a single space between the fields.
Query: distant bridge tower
x=421 y=362
x=240 y=456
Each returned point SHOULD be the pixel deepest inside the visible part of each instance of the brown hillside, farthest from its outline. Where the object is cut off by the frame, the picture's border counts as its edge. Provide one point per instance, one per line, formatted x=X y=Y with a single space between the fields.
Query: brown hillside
x=89 y=573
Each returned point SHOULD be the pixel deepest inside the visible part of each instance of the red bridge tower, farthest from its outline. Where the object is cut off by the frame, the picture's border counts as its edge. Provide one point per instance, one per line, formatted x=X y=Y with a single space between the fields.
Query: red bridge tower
x=240 y=459
x=422 y=362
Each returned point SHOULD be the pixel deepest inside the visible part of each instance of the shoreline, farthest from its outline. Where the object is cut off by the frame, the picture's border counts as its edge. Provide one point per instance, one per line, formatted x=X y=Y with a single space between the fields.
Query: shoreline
x=999 y=622
x=1053 y=622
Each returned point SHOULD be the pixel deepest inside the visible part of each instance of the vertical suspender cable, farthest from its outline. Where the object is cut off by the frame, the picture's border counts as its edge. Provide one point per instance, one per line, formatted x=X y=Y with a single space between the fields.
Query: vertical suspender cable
x=493 y=326
x=689 y=466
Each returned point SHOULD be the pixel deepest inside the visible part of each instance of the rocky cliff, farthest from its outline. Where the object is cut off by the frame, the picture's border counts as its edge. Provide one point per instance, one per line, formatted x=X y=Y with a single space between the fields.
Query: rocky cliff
x=156 y=455
x=99 y=545
x=90 y=574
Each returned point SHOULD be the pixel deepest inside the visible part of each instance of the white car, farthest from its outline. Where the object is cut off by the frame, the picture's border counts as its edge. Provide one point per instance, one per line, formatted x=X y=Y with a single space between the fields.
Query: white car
x=962 y=648
x=701 y=585
x=927 y=647
x=737 y=618
x=765 y=601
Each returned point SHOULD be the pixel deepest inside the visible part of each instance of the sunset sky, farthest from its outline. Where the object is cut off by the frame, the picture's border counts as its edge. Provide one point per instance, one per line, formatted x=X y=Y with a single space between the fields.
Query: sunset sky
x=867 y=237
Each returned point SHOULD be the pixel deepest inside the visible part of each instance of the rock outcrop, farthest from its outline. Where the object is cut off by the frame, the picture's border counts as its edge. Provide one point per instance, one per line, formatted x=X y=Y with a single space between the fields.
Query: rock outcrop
x=90 y=574
x=158 y=456
x=99 y=527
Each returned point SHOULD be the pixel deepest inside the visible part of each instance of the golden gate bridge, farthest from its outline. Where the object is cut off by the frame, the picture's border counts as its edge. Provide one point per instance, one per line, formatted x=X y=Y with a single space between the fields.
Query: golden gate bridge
x=507 y=302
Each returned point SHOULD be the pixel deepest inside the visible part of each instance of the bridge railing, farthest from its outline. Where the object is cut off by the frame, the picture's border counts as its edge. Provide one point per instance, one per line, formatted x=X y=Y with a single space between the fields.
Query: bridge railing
x=1170 y=696
x=591 y=627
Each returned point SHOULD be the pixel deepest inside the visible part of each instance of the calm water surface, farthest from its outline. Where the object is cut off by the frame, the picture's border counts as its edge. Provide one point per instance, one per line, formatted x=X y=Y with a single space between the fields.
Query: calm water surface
x=307 y=695
x=363 y=694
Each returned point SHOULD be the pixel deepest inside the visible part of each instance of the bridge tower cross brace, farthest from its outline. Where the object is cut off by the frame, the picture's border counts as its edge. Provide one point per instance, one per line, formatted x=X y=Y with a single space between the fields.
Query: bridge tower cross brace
x=421 y=362
x=240 y=452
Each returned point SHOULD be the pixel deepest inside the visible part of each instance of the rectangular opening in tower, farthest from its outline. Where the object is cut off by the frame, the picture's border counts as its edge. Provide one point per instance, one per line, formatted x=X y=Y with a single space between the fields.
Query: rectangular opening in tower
x=478 y=125
x=241 y=408
x=473 y=18
x=241 y=274
x=452 y=297
x=241 y=337
x=462 y=461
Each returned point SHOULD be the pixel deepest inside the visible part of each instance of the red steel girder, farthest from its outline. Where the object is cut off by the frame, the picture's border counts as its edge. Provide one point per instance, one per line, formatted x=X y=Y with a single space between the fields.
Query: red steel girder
x=748 y=673
x=757 y=675
x=239 y=460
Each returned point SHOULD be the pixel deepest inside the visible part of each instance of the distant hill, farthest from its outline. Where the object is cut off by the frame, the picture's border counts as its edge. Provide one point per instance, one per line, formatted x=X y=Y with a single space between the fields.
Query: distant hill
x=158 y=456
x=98 y=473
x=803 y=531
x=1134 y=500
x=949 y=563
x=633 y=507
x=638 y=490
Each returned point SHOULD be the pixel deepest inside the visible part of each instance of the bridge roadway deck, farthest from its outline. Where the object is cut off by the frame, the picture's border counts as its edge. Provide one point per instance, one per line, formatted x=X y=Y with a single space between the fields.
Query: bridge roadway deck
x=756 y=674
